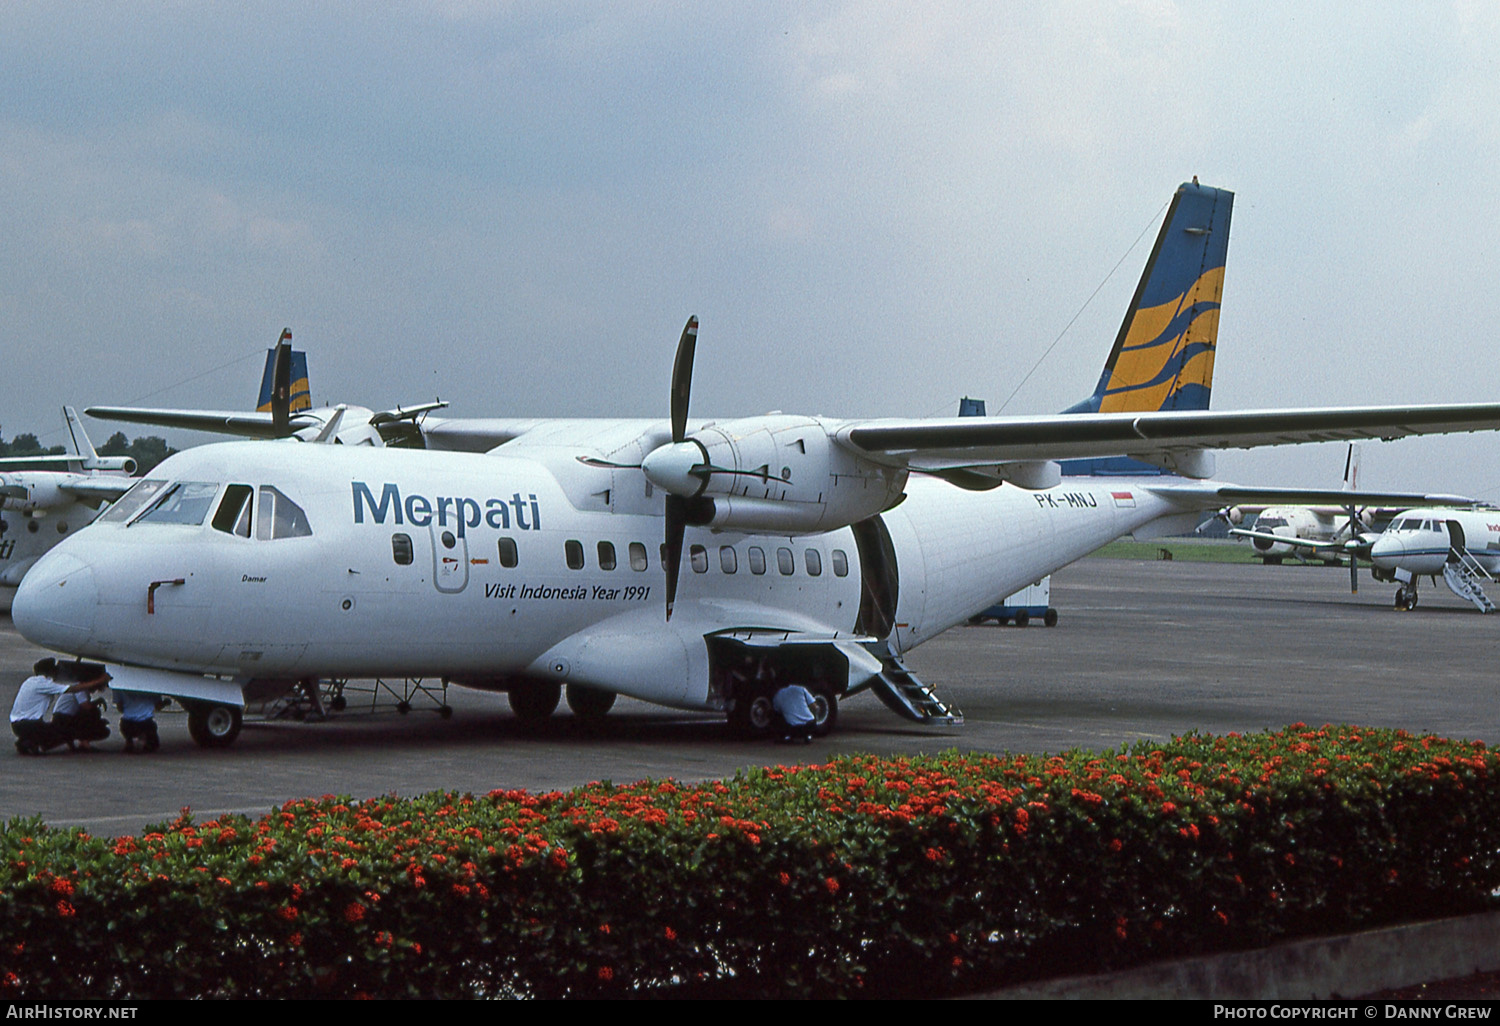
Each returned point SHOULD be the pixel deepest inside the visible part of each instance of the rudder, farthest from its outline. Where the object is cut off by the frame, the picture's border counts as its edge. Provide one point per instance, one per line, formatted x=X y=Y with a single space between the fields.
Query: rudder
x=1163 y=357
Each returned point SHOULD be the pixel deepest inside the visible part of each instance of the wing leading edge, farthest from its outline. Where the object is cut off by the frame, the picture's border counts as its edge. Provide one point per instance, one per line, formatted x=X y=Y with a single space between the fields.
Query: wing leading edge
x=1154 y=437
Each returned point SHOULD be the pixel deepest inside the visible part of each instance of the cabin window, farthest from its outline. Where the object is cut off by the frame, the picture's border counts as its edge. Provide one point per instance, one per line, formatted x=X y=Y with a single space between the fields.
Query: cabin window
x=233 y=516
x=133 y=501
x=508 y=554
x=574 y=552
x=840 y=563
x=727 y=559
x=784 y=561
x=698 y=559
x=637 y=556
x=757 y=560
x=606 y=555
x=401 y=550
x=814 y=560
x=280 y=517
x=186 y=502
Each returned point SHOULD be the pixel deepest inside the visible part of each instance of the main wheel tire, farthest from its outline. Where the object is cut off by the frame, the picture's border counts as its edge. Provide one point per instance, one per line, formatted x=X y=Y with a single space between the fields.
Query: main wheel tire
x=1023 y=617
x=534 y=701
x=753 y=716
x=590 y=703
x=1049 y=618
x=214 y=726
x=825 y=712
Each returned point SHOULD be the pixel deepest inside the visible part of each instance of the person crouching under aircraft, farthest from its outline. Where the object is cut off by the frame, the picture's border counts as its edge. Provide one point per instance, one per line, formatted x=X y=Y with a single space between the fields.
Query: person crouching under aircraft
x=138 y=720
x=794 y=705
x=79 y=719
x=28 y=715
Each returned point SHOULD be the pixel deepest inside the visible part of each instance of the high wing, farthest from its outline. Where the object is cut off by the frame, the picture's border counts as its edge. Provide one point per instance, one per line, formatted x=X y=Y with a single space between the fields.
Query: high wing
x=284 y=410
x=225 y=422
x=1160 y=438
x=99 y=488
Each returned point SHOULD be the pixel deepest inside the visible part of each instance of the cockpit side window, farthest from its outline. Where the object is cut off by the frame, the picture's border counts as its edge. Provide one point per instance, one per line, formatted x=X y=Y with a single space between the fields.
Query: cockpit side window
x=133 y=501
x=233 y=516
x=280 y=517
x=186 y=502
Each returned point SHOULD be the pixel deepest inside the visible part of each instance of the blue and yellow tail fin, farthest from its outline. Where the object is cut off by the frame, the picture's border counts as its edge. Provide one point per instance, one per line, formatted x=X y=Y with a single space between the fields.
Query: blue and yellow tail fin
x=1163 y=358
x=301 y=395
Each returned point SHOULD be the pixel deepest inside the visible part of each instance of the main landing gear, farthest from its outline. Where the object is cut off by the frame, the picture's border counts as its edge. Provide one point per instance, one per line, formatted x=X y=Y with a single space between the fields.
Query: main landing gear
x=214 y=726
x=753 y=716
x=534 y=701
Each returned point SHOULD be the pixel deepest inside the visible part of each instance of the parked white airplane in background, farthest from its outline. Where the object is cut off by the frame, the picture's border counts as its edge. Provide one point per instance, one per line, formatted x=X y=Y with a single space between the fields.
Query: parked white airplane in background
x=39 y=506
x=285 y=410
x=819 y=549
x=1460 y=544
x=1333 y=534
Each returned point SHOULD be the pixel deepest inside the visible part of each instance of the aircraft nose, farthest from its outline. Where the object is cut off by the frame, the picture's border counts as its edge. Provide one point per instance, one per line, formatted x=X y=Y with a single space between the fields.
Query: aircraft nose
x=1387 y=551
x=56 y=603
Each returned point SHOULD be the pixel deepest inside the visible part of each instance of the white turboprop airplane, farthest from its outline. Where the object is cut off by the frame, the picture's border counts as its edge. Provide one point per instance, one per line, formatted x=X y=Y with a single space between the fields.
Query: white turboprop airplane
x=1331 y=533
x=1459 y=544
x=820 y=549
x=39 y=506
x=285 y=410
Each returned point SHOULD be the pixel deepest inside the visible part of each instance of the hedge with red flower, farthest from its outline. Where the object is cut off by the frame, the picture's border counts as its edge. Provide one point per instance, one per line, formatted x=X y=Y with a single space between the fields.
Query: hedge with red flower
x=866 y=876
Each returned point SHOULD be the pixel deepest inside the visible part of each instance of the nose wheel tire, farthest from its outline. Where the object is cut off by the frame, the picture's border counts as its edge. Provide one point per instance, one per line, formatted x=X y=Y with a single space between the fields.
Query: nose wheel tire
x=214 y=726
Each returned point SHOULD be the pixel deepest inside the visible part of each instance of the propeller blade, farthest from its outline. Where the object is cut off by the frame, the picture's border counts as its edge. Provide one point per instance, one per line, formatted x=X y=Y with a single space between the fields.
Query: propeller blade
x=682 y=378
x=281 y=385
x=676 y=526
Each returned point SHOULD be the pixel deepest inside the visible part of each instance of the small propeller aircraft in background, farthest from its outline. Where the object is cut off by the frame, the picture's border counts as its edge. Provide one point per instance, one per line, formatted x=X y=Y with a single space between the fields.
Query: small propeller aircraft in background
x=40 y=505
x=690 y=563
x=1338 y=532
x=1459 y=544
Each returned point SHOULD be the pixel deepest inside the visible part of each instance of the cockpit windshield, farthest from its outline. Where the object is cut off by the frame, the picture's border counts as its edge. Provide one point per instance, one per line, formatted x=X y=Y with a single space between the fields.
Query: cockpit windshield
x=185 y=502
x=133 y=501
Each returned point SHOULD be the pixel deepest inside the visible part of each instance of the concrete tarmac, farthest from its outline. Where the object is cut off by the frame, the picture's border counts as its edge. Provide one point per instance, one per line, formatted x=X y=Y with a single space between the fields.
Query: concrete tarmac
x=1142 y=650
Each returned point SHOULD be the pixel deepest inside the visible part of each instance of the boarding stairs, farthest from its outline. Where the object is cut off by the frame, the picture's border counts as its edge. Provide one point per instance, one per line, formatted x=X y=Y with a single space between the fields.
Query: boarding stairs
x=907 y=696
x=1463 y=573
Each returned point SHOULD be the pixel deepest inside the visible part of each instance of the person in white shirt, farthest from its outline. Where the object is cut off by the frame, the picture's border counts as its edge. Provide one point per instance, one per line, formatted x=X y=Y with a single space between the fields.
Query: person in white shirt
x=794 y=704
x=28 y=714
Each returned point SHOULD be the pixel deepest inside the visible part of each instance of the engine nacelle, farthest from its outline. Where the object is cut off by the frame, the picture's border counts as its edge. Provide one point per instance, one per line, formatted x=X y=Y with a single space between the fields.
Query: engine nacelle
x=27 y=492
x=124 y=464
x=779 y=474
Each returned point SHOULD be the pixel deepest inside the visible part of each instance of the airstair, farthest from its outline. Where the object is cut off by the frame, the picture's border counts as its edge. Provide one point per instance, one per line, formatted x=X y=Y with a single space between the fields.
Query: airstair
x=1463 y=573
x=907 y=696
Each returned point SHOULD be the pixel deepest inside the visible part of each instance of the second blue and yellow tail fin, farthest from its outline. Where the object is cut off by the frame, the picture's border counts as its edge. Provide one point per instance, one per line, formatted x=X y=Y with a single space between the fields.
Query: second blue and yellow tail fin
x=301 y=395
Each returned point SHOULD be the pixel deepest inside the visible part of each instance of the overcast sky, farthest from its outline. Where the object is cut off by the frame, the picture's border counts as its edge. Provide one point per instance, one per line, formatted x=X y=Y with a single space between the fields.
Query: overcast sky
x=874 y=208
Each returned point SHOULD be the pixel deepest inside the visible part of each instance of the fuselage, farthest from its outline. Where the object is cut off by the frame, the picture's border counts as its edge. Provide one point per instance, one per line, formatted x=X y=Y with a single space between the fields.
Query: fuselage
x=1419 y=541
x=254 y=559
